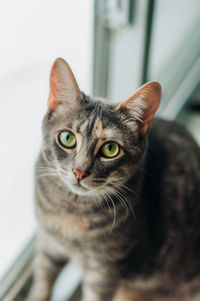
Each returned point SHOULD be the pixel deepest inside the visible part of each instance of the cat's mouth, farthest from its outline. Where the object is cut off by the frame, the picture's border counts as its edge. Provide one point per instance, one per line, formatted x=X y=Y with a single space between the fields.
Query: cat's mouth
x=78 y=188
x=79 y=185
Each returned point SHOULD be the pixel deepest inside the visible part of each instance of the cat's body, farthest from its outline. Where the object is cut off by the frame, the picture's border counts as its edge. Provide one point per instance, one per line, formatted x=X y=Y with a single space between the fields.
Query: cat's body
x=140 y=236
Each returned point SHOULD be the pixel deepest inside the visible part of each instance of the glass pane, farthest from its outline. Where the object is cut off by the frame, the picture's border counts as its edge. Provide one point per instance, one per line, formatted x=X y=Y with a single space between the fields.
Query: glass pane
x=173 y=22
x=175 y=49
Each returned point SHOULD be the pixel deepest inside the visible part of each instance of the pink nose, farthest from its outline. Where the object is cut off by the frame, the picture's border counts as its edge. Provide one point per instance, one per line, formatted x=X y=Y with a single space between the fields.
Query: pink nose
x=80 y=175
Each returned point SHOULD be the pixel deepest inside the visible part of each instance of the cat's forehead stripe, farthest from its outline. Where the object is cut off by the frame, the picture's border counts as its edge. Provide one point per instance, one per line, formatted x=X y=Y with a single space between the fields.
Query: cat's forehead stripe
x=83 y=126
x=97 y=130
x=93 y=124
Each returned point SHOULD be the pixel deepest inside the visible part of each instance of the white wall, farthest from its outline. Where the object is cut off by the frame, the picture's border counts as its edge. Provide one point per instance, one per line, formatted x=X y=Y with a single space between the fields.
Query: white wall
x=33 y=34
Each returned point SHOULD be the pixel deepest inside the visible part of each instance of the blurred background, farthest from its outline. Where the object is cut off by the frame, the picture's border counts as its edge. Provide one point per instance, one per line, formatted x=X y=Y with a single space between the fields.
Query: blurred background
x=112 y=46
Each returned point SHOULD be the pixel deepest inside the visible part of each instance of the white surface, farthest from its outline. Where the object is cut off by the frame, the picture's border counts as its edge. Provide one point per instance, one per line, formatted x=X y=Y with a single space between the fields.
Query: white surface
x=33 y=34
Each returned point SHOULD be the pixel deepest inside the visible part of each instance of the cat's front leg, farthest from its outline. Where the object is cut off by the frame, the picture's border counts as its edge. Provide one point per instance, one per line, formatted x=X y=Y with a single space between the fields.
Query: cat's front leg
x=46 y=269
x=99 y=286
x=49 y=260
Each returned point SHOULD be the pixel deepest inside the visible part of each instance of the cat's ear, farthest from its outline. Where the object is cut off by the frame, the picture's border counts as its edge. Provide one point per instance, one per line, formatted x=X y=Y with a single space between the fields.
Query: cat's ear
x=63 y=85
x=142 y=105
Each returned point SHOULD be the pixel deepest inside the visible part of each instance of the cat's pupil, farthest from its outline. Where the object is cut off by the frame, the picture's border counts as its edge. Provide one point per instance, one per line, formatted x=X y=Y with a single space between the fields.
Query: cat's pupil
x=110 y=147
x=67 y=137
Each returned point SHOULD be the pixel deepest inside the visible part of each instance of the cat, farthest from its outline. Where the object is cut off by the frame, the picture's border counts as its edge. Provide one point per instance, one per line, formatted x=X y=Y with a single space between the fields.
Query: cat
x=119 y=193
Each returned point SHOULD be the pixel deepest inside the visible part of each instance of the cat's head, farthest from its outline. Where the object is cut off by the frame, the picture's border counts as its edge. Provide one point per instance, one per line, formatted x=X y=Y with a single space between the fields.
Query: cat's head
x=95 y=146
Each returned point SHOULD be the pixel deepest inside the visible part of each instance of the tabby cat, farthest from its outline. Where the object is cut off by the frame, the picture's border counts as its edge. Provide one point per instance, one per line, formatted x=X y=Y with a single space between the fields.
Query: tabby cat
x=118 y=193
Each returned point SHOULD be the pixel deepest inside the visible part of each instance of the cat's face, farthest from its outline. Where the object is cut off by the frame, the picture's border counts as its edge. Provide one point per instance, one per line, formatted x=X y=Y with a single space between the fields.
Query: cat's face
x=94 y=146
x=95 y=139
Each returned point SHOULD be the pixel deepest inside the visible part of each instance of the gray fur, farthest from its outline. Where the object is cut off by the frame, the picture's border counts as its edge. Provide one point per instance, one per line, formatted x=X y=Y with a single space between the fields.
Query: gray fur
x=134 y=223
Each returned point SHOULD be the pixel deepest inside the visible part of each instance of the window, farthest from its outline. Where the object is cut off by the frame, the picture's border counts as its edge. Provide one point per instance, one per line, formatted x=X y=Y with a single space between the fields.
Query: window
x=33 y=35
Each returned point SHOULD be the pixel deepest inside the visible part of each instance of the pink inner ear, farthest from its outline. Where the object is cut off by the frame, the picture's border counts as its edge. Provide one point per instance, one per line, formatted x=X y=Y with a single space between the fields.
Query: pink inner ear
x=63 y=85
x=54 y=89
x=145 y=101
x=152 y=103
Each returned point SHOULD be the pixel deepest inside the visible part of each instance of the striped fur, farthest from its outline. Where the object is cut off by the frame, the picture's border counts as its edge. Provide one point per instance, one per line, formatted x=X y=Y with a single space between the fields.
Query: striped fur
x=133 y=222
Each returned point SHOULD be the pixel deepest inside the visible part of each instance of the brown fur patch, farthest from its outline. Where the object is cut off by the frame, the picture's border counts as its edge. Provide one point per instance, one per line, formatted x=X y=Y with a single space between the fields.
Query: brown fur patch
x=98 y=129
x=128 y=295
x=67 y=223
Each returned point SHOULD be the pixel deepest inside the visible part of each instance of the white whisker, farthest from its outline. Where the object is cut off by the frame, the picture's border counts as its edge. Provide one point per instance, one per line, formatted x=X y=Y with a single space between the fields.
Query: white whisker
x=114 y=211
x=99 y=201
x=47 y=175
x=122 y=194
x=39 y=168
x=120 y=197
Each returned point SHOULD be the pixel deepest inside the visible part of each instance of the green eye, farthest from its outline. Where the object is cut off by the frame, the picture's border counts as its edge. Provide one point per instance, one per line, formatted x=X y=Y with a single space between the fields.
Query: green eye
x=110 y=150
x=67 y=139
